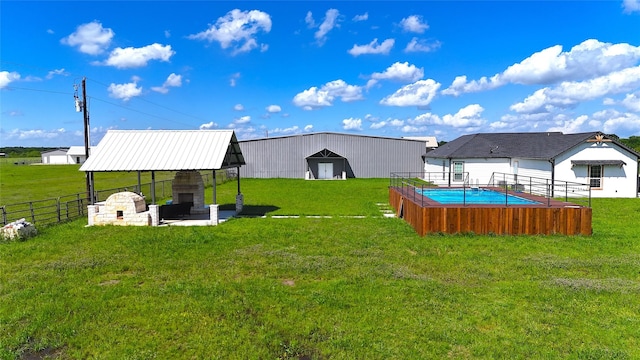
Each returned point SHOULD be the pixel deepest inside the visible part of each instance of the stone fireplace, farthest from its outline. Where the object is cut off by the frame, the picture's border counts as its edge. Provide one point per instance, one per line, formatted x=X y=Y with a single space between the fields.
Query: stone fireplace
x=123 y=208
x=188 y=187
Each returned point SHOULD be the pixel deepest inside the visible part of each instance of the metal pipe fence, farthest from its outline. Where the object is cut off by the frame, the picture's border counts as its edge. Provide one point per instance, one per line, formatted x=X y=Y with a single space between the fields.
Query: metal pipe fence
x=413 y=185
x=69 y=207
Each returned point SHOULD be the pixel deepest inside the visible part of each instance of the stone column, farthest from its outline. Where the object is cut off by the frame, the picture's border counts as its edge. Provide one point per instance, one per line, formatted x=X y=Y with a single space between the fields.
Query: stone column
x=91 y=211
x=239 y=203
x=214 y=214
x=154 y=211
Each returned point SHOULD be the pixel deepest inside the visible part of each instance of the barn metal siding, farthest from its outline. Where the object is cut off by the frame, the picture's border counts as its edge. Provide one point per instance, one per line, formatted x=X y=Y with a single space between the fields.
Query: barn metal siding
x=367 y=156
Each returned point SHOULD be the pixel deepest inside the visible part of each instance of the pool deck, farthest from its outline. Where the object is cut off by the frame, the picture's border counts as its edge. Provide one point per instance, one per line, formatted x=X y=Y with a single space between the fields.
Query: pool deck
x=549 y=216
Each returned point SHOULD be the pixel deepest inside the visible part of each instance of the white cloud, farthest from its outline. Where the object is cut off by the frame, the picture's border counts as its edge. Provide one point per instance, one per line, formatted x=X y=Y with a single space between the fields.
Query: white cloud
x=421 y=45
x=420 y=94
x=372 y=48
x=389 y=122
x=400 y=72
x=468 y=116
x=242 y=120
x=208 y=126
x=330 y=21
x=172 y=81
x=413 y=129
x=233 y=79
x=460 y=85
x=352 y=124
x=570 y=125
x=414 y=23
x=53 y=73
x=315 y=98
x=630 y=6
x=362 y=17
x=346 y=92
x=8 y=77
x=309 y=20
x=238 y=107
x=237 y=29
x=288 y=131
x=587 y=60
x=632 y=102
x=308 y=128
x=615 y=122
x=167 y=34
x=35 y=134
x=273 y=109
x=90 y=38
x=124 y=91
x=124 y=58
x=568 y=94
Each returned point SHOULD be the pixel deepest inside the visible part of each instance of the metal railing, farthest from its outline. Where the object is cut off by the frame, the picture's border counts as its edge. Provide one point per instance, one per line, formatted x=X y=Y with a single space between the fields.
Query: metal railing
x=69 y=207
x=413 y=185
x=567 y=191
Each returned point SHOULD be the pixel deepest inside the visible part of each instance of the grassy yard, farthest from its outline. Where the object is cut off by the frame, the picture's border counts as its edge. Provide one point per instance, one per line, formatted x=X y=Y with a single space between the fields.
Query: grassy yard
x=21 y=183
x=342 y=287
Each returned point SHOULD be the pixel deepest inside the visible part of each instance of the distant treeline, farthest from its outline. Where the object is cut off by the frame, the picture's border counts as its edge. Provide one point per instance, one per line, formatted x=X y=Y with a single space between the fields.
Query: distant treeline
x=24 y=152
x=632 y=142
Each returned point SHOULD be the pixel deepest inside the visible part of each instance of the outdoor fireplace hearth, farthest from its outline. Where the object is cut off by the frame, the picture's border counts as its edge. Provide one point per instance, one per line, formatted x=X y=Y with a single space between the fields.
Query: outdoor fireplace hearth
x=188 y=187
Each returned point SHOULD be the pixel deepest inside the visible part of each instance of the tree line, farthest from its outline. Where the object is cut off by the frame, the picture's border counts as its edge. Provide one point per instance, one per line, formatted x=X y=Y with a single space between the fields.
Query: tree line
x=24 y=152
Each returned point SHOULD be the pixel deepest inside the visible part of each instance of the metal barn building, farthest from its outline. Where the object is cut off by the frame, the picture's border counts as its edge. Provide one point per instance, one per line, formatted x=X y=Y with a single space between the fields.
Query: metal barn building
x=330 y=156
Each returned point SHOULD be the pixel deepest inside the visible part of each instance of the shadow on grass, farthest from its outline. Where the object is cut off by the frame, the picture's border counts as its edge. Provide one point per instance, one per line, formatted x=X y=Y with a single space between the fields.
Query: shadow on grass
x=251 y=210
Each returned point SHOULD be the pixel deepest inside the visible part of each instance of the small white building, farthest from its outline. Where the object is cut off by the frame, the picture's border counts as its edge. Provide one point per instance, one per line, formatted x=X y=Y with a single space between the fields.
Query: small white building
x=58 y=156
x=610 y=167
x=72 y=155
x=76 y=155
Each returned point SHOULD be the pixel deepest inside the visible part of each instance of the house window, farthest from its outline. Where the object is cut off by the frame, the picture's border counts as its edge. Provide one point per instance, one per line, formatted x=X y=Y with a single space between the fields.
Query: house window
x=119 y=214
x=595 y=176
x=458 y=171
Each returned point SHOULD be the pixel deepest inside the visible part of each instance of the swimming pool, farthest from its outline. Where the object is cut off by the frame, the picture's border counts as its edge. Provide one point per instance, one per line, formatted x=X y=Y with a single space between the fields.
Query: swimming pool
x=474 y=196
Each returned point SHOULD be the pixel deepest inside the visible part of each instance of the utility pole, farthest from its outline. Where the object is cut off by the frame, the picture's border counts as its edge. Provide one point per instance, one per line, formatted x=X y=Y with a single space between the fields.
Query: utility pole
x=85 y=113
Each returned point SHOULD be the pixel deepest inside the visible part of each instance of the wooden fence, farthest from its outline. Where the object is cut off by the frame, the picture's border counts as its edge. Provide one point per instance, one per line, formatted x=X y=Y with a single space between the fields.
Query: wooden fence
x=499 y=220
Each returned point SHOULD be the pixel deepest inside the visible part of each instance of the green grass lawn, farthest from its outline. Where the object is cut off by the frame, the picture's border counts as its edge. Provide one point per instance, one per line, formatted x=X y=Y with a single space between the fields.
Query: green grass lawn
x=321 y=288
x=21 y=183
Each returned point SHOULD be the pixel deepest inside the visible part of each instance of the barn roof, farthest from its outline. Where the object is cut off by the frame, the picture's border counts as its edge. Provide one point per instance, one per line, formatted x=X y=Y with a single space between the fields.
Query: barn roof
x=160 y=150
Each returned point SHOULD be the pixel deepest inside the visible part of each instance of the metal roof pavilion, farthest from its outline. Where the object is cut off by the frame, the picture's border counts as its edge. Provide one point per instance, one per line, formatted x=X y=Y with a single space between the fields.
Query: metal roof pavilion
x=165 y=150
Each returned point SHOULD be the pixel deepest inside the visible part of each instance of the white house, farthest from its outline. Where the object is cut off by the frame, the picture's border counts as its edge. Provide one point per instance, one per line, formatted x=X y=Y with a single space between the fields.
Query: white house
x=58 y=156
x=76 y=155
x=610 y=167
x=73 y=155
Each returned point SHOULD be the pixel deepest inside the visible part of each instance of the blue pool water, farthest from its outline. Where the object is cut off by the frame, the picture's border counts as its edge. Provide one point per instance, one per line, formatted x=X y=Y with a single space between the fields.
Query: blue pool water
x=473 y=196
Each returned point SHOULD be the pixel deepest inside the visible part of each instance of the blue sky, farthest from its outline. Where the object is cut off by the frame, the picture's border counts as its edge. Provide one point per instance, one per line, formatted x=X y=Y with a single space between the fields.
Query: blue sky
x=394 y=69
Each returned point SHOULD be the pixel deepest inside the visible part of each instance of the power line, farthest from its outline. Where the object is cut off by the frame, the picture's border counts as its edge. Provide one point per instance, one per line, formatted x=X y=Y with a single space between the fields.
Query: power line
x=155 y=104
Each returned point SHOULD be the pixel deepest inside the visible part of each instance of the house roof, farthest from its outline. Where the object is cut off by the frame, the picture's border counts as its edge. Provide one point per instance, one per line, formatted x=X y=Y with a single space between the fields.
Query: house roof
x=55 y=152
x=78 y=150
x=170 y=150
x=533 y=145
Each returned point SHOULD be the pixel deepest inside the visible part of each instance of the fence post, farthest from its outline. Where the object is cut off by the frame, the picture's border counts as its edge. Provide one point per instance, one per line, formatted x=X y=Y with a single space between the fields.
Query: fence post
x=4 y=216
x=33 y=215
x=58 y=208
